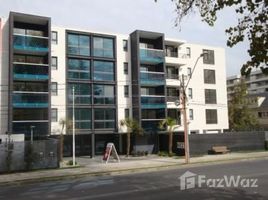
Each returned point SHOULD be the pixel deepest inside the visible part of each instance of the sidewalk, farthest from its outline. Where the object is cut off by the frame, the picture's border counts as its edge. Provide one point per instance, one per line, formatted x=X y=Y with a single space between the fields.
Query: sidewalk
x=95 y=167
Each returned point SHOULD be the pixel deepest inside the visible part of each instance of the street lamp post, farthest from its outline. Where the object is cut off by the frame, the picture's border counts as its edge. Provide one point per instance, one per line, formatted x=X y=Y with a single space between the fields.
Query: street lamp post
x=73 y=131
x=32 y=127
x=184 y=113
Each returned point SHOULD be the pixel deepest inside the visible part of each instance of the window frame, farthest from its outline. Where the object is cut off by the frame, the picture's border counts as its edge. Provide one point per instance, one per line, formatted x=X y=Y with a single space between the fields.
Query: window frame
x=212 y=119
x=209 y=96
x=54 y=114
x=125 y=45
x=54 y=40
x=126 y=91
x=54 y=66
x=54 y=91
x=207 y=74
x=126 y=68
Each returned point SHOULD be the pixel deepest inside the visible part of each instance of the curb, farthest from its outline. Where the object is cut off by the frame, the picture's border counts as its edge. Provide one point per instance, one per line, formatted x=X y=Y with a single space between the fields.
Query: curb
x=129 y=170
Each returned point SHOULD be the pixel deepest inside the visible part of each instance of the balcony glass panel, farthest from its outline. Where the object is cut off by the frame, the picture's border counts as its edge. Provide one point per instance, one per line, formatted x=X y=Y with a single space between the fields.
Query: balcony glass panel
x=30 y=72
x=82 y=117
x=153 y=102
x=104 y=94
x=30 y=100
x=148 y=78
x=82 y=93
x=151 y=55
x=30 y=43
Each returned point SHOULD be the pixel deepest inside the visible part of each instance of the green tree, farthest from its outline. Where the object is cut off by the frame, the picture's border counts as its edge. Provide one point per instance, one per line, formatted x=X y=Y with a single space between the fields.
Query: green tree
x=241 y=117
x=252 y=24
x=132 y=128
x=170 y=124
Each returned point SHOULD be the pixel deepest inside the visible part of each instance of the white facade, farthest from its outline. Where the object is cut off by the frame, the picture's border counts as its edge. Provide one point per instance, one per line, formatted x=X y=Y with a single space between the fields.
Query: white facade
x=185 y=59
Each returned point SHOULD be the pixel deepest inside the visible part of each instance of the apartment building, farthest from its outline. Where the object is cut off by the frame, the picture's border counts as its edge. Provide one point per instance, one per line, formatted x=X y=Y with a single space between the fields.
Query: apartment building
x=257 y=88
x=257 y=82
x=45 y=70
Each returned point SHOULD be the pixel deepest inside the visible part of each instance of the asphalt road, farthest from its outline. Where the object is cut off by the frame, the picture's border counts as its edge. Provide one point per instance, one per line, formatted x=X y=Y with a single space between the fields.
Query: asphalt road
x=155 y=185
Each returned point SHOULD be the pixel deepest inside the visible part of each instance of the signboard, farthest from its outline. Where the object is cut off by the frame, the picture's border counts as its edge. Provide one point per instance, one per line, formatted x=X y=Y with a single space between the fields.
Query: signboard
x=110 y=150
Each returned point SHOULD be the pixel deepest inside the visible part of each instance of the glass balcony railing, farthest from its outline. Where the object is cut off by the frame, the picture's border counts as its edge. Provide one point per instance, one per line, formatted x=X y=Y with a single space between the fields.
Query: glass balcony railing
x=30 y=43
x=151 y=55
x=149 y=78
x=30 y=72
x=153 y=102
x=30 y=100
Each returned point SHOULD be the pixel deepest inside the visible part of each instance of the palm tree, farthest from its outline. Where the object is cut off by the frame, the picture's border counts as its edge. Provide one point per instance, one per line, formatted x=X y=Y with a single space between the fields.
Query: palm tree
x=170 y=123
x=132 y=127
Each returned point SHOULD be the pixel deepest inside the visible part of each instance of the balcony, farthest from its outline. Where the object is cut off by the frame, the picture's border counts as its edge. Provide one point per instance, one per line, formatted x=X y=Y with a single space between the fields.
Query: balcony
x=172 y=98
x=151 y=55
x=30 y=100
x=177 y=58
x=152 y=78
x=30 y=72
x=30 y=43
x=172 y=54
x=172 y=76
x=153 y=102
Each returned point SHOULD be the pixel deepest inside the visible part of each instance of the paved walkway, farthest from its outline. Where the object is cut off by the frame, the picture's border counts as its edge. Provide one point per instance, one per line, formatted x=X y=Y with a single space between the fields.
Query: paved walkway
x=96 y=167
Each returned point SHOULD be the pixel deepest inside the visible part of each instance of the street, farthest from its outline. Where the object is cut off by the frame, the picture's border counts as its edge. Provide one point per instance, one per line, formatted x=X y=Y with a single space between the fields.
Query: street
x=164 y=184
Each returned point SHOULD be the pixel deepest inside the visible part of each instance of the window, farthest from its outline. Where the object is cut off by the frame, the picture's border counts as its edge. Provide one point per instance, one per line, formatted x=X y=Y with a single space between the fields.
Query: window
x=78 y=45
x=54 y=37
x=172 y=72
x=54 y=88
x=172 y=94
x=104 y=94
x=126 y=91
x=125 y=68
x=54 y=114
x=211 y=116
x=263 y=114
x=82 y=93
x=208 y=56
x=103 y=71
x=190 y=93
x=210 y=96
x=171 y=51
x=104 y=118
x=82 y=117
x=209 y=76
x=126 y=113
x=189 y=72
x=191 y=114
x=78 y=69
x=54 y=62
x=188 y=52
x=103 y=47
x=125 y=45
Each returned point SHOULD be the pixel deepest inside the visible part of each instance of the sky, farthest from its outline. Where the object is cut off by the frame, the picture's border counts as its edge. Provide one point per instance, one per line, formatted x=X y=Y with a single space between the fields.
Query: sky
x=125 y=16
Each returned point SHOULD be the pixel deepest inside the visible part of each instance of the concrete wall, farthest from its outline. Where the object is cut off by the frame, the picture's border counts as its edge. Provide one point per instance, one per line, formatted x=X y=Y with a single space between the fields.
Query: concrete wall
x=44 y=156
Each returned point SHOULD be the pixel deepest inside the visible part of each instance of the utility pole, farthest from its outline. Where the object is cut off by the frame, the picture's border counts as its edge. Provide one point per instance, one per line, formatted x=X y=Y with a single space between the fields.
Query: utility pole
x=183 y=88
x=32 y=127
x=73 y=131
x=185 y=123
